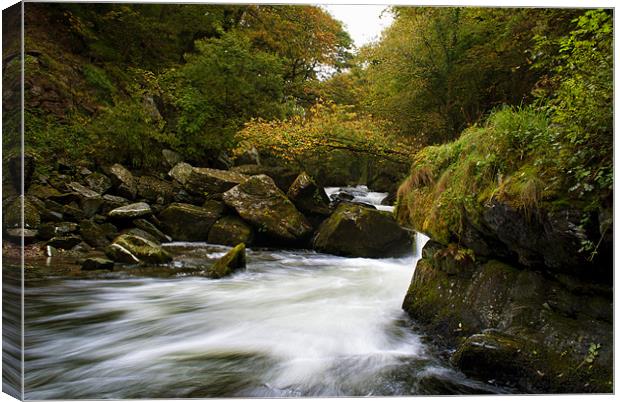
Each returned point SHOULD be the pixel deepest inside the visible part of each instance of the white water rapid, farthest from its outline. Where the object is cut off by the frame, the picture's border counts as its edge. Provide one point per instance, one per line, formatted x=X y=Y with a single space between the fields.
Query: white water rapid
x=295 y=323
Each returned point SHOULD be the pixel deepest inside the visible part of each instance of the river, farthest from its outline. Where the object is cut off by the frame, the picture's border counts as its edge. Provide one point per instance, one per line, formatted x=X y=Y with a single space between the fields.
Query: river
x=294 y=323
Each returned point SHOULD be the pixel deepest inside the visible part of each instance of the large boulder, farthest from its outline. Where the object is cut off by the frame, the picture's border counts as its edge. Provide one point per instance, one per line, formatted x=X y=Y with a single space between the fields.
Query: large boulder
x=151 y=229
x=130 y=248
x=260 y=202
x=49 y=230
x=497 y=356
x=181 y=172
x=111 y=202
x=131 y=211
x=206 y=181
x=83 y=191
x=308 y=197
x=513 y=325
x=123 y=181
x=64 y=242
x=230 y=231
x=282 y=176
x=233 y=261
x=98 y=182
x=97 y=235
x=550 y=239
x=155 y=190
x=12 y=211
x=357 y=231
x=42 y=191
x=187 y=222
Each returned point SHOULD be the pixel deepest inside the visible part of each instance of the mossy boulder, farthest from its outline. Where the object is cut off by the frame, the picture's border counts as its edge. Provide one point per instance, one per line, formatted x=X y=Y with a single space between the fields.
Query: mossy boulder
x=308 y=197
x=233 y=261
x=181 y=172
x=82 y=190
x=51 y=229
x=282 y=176
x=42 y=191
x=97 y=235
x=187 y=222
x=500 y=357
x=212 y=181
x=134 y=249
x=131 y=211
x=261 y=203
x=64 y=242
x=542 y=330
x=143 y=234
x=123 y=181
x=356 y=231
x=111 y=202
x=153 y=189
x=150 y=228
x=98 y=182
x=12 y=211
x=230 y=231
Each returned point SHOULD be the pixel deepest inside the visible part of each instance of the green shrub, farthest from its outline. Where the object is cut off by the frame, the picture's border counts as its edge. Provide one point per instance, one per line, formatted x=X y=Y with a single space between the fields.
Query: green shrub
x=98 y=79
x=508 y=158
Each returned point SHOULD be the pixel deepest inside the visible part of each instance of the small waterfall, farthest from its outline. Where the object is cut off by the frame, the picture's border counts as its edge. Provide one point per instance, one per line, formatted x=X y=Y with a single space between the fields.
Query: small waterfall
x=361 y=194
x=419 y=243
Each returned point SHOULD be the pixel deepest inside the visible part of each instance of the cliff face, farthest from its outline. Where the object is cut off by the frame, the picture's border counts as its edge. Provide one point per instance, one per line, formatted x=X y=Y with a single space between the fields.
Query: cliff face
x=518 y=275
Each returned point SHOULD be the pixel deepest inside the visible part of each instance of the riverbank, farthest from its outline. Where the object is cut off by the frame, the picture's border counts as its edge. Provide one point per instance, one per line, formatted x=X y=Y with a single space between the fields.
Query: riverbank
x=114 y=214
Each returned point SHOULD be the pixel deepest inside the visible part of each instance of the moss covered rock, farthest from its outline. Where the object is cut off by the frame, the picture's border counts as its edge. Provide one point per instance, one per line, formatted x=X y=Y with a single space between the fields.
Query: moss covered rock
x=354 y=230
x=154 y=190
x=64 y=242
x=261 y=203
x=131 y=211
x=495 y=356
x=233 y=261
x=123 y=181
x=150 y=228
x=12 y=211
x=514 y=325
x=111 y=202
x=187 y=222
x=212 y=181
x=42 y=191
x=282 y=176
x=181 y=172
x=230 y=231
x=83 y=191
x=97 y=235
x=49 y=230
x=98 y=182
x=308 y=197
x=134 y=249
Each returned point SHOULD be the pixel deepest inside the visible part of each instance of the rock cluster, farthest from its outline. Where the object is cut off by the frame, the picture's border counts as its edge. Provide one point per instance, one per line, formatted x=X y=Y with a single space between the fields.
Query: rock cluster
x=517 y=304
x=129 y=216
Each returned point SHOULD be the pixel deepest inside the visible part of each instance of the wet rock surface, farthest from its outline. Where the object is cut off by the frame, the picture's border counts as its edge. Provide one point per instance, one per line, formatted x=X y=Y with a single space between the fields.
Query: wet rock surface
x=261 y=203
x=513 y=325
x=188 y=222
x=354 y=230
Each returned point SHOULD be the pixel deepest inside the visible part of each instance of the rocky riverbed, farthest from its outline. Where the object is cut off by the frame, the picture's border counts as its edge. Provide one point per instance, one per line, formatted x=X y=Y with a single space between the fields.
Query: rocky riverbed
x=114 y=217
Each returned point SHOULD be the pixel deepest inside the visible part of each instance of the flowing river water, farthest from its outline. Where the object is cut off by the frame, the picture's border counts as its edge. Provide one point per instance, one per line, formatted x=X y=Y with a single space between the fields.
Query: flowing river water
x=295 y=323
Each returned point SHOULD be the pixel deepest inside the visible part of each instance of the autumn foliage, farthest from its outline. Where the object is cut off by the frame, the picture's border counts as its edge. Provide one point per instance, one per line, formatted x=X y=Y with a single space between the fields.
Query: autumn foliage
x=326 y=127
